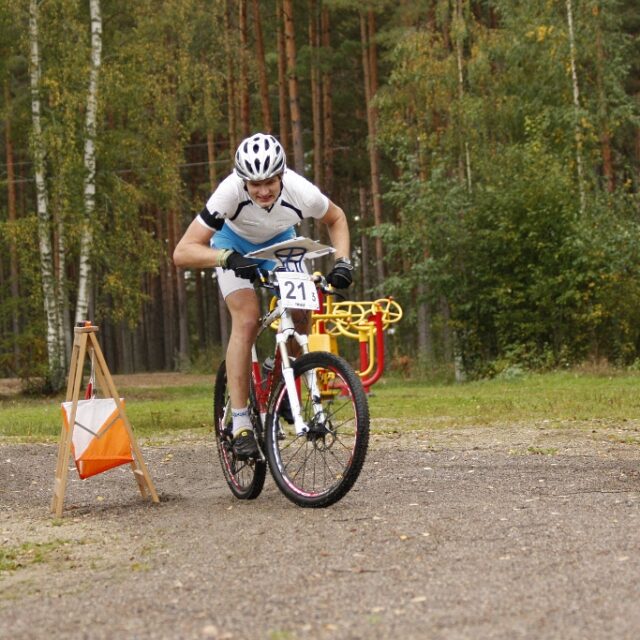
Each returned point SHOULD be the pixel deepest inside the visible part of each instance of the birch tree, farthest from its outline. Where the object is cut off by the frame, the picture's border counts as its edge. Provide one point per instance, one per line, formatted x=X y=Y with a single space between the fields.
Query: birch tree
x=459 y=29
x=55 y=346
x=576 y=105
x=84 y=273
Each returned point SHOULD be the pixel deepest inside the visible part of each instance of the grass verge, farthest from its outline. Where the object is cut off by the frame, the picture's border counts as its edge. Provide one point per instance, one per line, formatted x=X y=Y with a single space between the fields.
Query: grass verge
x=555 y=398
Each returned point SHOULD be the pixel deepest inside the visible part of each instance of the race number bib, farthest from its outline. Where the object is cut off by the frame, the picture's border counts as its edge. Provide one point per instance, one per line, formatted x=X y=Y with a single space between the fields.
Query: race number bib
x=297 y=290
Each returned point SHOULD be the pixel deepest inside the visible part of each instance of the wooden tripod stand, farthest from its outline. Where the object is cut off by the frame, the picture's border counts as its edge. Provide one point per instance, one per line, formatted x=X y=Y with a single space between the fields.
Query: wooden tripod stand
x=84 y=343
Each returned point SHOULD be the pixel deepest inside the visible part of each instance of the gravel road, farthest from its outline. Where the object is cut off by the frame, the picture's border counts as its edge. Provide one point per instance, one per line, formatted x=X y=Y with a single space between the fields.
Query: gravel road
x=514 y=532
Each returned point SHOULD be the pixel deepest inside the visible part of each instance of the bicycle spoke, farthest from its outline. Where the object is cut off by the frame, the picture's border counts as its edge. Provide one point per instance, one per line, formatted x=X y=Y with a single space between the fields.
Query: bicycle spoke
x=293 y=459
x=320 y=466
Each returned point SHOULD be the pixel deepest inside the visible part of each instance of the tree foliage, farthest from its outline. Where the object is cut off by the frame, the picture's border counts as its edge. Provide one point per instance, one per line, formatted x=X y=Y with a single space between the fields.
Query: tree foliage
x=480 y=128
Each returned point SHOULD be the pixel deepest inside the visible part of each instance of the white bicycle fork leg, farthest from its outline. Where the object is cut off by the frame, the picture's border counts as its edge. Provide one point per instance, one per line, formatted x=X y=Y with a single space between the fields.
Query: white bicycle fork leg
x=290 y=383
x=294 y=402
x=310 y=376
x=312 y=384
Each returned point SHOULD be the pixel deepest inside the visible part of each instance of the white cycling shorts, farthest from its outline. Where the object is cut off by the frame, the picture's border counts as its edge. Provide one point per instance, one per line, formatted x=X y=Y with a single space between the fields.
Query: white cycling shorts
x=229 y=282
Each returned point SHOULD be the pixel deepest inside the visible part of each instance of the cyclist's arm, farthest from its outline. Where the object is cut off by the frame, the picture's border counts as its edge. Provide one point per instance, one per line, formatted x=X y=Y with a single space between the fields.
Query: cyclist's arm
x=193 y=249
x=338 y=229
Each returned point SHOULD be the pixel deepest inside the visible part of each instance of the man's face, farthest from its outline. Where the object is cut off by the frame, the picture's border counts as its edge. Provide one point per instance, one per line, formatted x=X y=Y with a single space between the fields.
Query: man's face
x=264 y=192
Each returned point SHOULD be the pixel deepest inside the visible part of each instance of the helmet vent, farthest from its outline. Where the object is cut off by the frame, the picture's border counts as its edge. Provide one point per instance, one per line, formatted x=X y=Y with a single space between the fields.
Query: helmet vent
x=260 y=157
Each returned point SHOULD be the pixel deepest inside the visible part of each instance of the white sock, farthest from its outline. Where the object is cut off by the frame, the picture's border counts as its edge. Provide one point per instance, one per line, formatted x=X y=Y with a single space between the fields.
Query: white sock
x=241 y=420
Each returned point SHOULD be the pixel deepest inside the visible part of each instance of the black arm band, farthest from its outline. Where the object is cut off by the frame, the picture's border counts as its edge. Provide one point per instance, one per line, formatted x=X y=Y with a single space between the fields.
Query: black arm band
x=212 y=219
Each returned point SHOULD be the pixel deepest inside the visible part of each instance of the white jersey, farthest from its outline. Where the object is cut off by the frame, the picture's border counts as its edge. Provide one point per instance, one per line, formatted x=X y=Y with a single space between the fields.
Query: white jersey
x=298 y=199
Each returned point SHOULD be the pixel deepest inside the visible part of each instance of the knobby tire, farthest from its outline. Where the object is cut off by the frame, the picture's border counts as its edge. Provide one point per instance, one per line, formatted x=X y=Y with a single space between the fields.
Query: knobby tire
x=319 y=468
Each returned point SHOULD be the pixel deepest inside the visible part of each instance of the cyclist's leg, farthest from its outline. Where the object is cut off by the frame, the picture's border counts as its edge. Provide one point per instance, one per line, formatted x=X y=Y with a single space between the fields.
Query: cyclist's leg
x=244 y=309
x=242 y=302
x=243 y=305
x=302 y=323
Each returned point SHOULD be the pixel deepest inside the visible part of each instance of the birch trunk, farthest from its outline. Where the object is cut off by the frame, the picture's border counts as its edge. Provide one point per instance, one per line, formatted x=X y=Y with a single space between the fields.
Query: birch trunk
x=86 y=242
x=60 y=263
x=55 y=348
x=576 y=106
x=262 y=71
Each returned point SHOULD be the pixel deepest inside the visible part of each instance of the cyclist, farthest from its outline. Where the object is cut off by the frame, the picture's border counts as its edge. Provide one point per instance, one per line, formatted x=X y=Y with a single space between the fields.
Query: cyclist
x=256 y=206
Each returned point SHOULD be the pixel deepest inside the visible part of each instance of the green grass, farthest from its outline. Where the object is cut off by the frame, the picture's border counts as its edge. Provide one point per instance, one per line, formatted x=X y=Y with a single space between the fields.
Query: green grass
x=553 y=396
x=152 y=412
x=557 y=398
x=17 y=557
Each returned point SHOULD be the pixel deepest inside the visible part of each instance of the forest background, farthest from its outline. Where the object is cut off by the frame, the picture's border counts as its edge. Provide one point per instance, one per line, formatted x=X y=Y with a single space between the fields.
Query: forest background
x=486 y=152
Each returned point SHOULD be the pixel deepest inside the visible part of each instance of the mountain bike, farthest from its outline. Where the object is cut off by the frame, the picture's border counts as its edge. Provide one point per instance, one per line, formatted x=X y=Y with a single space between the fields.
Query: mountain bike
x=309 y=413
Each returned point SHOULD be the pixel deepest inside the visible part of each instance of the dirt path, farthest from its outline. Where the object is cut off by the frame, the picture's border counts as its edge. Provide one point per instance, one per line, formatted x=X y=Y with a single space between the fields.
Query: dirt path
x=461 y=534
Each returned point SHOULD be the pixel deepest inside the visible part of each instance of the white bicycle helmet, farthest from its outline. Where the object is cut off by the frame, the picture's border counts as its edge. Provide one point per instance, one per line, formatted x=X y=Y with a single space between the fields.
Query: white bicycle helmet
x=259 y=157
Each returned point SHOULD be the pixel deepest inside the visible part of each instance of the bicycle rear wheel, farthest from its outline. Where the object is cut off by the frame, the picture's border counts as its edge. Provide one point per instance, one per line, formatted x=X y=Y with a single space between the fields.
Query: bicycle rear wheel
x=318 y=468
x=244 y=477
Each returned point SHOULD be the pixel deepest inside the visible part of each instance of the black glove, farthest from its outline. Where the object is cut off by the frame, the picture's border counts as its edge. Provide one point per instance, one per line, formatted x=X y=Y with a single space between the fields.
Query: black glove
x=340 y=276
x=246 y=268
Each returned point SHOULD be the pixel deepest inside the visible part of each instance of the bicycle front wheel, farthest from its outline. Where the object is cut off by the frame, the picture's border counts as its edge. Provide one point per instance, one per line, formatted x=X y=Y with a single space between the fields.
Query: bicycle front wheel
x=317 y=468
x=245 y=477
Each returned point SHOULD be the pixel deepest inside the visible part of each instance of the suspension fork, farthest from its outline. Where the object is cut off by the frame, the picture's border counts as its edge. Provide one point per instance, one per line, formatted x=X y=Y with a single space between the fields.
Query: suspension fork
x=287 y=331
